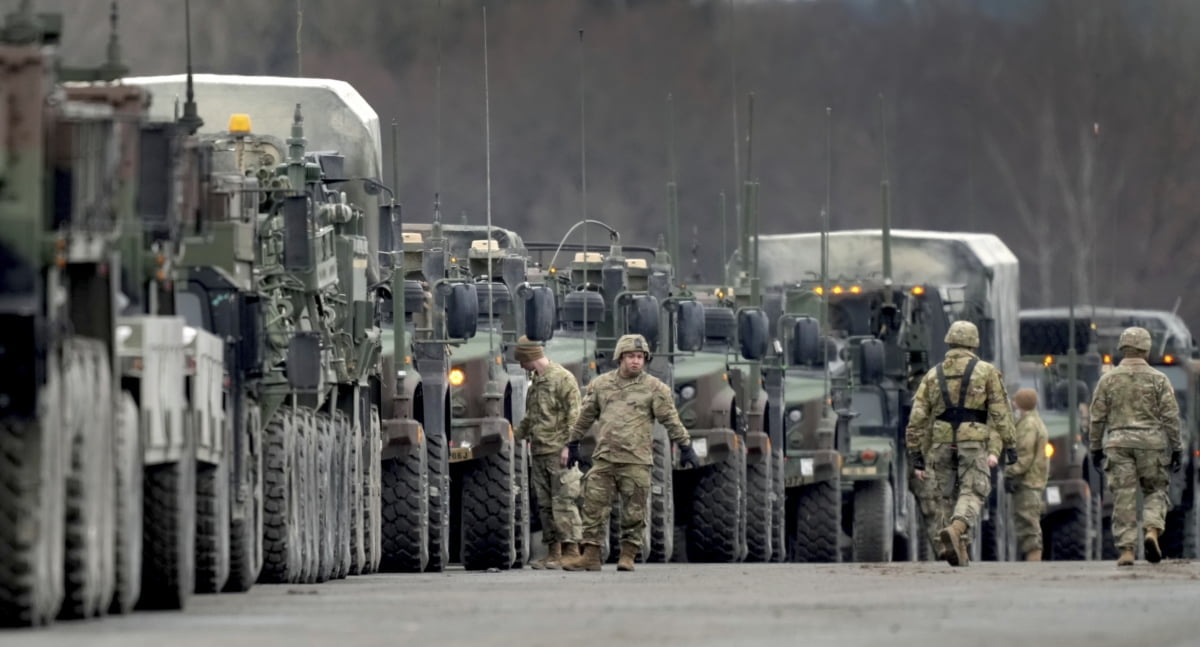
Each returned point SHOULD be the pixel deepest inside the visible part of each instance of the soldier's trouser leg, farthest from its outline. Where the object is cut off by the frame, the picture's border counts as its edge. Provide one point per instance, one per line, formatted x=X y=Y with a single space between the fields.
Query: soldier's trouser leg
x=599 y=486
x=929 y=500
x=556 y=495
x=1126 y=469
x=566 y=505
x=974 y=480
x=1028 y=506
x=633 y=482
x=543 y=479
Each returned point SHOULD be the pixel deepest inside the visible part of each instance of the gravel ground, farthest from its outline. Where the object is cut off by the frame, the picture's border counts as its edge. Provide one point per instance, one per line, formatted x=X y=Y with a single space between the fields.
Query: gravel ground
x=927 y=604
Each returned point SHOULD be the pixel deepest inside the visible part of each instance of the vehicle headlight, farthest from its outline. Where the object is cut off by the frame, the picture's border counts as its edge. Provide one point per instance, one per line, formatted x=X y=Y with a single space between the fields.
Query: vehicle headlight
x=457 y=377
x=189 y=335
x=795 y=415
x=124 y=333
x=688 y=392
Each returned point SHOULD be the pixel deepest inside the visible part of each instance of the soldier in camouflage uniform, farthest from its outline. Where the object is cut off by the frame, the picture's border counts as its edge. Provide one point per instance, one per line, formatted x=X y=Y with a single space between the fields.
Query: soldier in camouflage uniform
x=626 y=402
x=961 y=409
x=1026 y=479
x=551 y=406
x=1135 y=420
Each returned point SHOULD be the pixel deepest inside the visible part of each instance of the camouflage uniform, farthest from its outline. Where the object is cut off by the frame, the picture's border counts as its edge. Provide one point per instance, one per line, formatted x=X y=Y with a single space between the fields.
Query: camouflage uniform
x=1029 y=474
x=551 y=406
x=958 y=460
x=1134 y=421
x=626 y=409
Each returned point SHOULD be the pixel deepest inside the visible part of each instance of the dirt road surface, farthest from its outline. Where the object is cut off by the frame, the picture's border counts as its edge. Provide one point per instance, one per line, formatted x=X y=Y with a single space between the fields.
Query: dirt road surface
x=899 y=605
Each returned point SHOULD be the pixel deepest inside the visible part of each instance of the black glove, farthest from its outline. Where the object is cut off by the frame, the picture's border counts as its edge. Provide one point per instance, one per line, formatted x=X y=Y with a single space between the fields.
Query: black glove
x=1010 y=485
x=1176 y=460
x=687 y=456
x=918 y=462
x=572 y=455
x=1010 y=455
x=1098 y=459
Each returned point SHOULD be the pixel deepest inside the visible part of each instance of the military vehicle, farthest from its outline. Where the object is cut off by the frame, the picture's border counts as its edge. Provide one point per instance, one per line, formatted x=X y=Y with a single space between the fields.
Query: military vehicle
x=1175 y=354
x=111 y=408
x=935 y=278
x=289 y=274
x=1052 y=358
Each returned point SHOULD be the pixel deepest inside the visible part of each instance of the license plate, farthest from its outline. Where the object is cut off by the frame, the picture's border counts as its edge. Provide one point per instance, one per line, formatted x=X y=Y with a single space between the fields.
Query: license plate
x=460 y=454
x=701 y=446
x=806 y=467
x=859 y=470
x=1053 y=495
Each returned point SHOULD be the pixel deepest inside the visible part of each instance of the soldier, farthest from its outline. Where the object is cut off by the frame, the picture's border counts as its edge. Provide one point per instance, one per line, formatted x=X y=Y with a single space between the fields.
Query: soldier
x=968 y=431
x=1135 y=419
x=626 y=402
x=1026 y=479
x=551 y=405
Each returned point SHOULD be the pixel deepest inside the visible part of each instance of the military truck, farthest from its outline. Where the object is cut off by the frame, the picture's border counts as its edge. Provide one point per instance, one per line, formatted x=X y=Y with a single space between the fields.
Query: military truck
x=109 y=401
x=1175 y=354
x=292 y=262
x=958 y=276
x=1052 y=358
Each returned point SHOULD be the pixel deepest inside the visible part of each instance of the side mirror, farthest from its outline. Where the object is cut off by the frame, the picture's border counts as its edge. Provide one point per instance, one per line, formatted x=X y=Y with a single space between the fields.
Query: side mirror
x=643 y=318
x=806 y=342
x=689 y=326
x=297 y=248
x=250 y=325
x=386 y=242
x=540 y=310
x=720 y=324
x=753 y=333
x=870 y=361
x=304 y=362
x=462 y=311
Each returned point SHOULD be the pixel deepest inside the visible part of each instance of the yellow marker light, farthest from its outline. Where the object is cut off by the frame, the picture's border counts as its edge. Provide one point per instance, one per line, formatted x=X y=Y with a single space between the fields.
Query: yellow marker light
x=1049 y=450
x=855 y=289
x=837 y=289
x=1168 y=359
x=499 y=361
x=554 y=270
x=918 y=290
x=819 y=290
x=1047 y=360
x=720 y=294
x=457 y=377
x=239 y=123
x=453 y=259
x=1107 y=359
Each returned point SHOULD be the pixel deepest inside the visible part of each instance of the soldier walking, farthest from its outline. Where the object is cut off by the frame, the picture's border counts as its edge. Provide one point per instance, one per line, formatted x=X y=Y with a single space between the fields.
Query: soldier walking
x=1026 y=479
x=962 y=404
x=626 y=402
x=1134 y=420
x=551 y=406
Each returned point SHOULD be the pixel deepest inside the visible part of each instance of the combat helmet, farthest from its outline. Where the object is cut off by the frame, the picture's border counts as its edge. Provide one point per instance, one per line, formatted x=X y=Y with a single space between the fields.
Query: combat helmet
x=1136 y=338
x=629 y=343
x=963 y=333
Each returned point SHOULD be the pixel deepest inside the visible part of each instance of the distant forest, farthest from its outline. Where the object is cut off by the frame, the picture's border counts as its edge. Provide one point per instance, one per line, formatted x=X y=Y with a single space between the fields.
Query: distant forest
x=1068 y=127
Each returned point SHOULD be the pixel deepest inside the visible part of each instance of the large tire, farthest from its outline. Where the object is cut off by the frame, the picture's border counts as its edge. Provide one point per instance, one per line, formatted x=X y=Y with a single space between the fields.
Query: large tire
x=354 y=490
x=489 y=511
x=169 y=531
x=759 y=486
x=743 y=548
x=1066 y=532
x=246 y=528
x=127 y=456
x=32 y=473
x=439 y=500
x=816 y=523
x=1109 y=544
x=91 y=482
x=662 y=502
x=874 y=520
x=521 y=532
x=714 y=531
x=372 y=492
x=310 y=506
x=405 y=528
x=778 y=509
x=282 y=538
x=326 y=498
x=341 y=504
x=212 y=527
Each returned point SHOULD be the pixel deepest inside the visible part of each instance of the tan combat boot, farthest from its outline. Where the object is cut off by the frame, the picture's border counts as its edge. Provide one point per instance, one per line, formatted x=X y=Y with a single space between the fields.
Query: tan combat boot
x=1126 y=558
x=1153 y=552
x=588 y=561
x=952 y=539
x=628 y=554
x=1033 y=556
x=552 y=560
x=570 y=550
